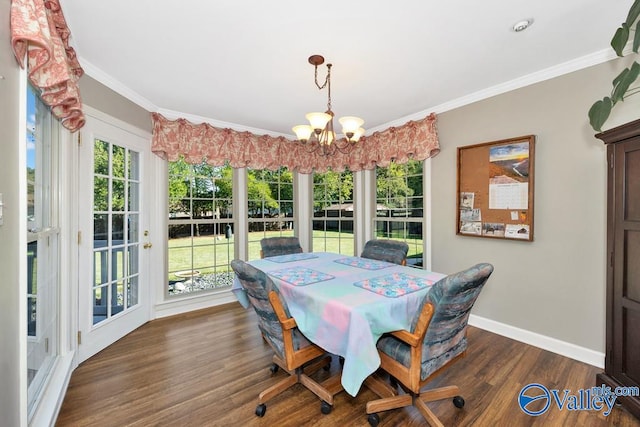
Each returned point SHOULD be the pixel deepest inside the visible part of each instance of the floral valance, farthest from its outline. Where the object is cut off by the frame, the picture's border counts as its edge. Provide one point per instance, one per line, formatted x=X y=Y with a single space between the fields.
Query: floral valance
x=173 y=139
x=39 y=31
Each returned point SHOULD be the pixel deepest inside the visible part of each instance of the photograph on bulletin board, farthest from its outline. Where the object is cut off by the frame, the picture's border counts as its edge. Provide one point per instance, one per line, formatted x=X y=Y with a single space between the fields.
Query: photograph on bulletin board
x=495 y=189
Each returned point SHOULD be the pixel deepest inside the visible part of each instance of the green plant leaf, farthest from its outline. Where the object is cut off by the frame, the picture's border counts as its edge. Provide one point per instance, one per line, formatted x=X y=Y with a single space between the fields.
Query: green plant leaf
x=624 y=80
x=599 y=113
x=620 y=39
x=636 y=38
x=634 y=12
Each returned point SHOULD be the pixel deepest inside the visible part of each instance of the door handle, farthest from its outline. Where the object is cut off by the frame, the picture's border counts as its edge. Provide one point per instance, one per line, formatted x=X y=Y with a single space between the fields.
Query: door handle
x=147 y=245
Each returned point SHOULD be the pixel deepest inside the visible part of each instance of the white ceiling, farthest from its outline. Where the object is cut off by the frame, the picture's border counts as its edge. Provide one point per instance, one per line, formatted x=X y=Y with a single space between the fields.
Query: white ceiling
x=243 y=63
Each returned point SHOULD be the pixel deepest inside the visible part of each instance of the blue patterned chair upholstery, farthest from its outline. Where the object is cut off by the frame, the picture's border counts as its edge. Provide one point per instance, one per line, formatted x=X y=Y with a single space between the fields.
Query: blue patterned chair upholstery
x=274 y=246
x=386 y=250
x=436 y=339
x=292 y=350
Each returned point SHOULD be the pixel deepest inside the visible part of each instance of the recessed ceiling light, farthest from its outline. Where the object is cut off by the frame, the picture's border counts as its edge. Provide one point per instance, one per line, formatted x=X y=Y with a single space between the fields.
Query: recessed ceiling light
x=522 y=25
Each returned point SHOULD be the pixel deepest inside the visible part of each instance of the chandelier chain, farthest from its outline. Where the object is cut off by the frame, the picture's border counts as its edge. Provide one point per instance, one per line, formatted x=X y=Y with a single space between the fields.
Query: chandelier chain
x=320 y=137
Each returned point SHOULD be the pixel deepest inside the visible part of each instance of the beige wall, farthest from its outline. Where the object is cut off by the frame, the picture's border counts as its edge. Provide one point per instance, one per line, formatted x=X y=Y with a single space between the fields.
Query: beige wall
x=555 y=285
x=12 y=401
x=100 y=97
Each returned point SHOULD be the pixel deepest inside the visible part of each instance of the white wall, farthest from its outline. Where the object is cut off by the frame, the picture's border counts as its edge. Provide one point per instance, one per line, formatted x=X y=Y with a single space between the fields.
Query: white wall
x=13 y=332
x=555 y=285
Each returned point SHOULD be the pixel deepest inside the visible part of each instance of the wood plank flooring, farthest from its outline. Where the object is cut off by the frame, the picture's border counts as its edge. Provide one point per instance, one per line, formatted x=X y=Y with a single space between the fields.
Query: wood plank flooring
x=206 y=368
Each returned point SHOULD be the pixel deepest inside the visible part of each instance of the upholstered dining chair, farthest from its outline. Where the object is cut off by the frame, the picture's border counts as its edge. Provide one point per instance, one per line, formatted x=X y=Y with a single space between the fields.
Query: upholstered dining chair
x=386 y=250
x=273 y=246
x=293 y=351
x=436 y=339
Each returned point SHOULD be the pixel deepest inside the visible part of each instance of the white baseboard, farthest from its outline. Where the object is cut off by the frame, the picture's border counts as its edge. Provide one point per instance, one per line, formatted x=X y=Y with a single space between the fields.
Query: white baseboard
x=197 y=302
x=562 y=348
x=50 y=403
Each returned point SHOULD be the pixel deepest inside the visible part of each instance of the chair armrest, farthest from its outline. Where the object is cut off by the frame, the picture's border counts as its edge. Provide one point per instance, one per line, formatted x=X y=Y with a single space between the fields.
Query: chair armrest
x=415 y=339
x=286 y=322
x=407 y=337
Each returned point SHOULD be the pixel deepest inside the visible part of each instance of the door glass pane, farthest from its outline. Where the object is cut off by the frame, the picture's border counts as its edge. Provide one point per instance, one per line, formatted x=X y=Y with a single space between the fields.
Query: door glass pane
x=101 y=194
x=118 y=195
x=118 y=161
x=116 y=229
x=133 y=228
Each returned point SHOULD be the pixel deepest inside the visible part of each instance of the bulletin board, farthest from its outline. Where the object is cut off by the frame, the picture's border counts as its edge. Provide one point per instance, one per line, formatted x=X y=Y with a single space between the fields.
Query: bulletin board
x=495 y=189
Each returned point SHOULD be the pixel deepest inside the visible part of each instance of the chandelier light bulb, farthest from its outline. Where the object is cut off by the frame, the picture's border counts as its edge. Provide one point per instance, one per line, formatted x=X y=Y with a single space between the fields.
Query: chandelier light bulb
x=318 y=121
x=303 y=132
x=350 y=124
x=357 y=134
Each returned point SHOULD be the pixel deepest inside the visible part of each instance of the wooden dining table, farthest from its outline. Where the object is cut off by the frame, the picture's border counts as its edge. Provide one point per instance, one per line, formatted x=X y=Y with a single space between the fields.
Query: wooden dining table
x=344 y=304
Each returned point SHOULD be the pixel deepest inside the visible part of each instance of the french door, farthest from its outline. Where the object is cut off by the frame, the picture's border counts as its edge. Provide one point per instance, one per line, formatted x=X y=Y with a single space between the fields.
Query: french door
x=113 y=249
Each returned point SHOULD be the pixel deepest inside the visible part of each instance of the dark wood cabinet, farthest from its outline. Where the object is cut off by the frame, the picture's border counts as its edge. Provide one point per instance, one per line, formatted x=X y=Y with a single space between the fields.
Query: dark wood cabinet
x=622 y=358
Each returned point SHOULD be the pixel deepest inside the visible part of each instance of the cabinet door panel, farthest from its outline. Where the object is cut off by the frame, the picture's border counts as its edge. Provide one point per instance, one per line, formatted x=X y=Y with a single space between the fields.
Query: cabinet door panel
x=631 y=276
x=631 y=349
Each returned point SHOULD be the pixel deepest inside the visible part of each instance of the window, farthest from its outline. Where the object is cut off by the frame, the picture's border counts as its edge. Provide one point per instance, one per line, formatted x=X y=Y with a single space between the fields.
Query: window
x=270 y=206
x=399 y=207
x=43 y=263
x=333 y=212
x=201 y=241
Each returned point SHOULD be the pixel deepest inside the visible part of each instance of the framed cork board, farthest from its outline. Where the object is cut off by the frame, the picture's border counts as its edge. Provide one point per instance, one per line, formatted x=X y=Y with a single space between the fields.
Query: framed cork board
x=495 y=189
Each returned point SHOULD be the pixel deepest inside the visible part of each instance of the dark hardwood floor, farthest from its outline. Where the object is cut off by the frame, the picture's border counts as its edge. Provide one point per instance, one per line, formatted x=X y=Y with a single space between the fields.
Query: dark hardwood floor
x=206 y=368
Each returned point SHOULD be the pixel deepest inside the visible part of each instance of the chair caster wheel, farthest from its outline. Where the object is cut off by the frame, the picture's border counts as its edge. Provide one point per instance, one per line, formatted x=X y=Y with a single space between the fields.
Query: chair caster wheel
x=458 y=401
x=373 y=419
x=274 y=369
x=261 y=409
x=325 y=408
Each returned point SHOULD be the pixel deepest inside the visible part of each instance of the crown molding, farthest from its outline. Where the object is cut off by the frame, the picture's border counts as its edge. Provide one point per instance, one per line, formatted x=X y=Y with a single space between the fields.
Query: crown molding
x=537 y=77
x=173 y=115
x=115 y=85
x=530 y=79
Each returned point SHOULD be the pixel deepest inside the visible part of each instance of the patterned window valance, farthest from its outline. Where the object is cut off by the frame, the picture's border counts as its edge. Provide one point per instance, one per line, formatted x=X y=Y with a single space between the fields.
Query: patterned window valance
x=39 y=31
x=173 y=139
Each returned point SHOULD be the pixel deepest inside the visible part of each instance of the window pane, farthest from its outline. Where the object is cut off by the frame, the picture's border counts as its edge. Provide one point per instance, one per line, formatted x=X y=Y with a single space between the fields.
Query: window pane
x=42 y=250
x=333 y=212
x=400 y=209
x=201 y=242
x=270 y=206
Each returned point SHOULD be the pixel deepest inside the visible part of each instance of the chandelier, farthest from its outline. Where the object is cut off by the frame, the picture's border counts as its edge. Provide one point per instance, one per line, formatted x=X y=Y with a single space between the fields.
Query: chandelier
x=319 y=135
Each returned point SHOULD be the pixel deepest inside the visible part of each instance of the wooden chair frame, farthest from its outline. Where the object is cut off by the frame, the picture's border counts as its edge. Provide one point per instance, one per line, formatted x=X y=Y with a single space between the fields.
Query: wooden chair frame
x=297 y=363
x=409 y=377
